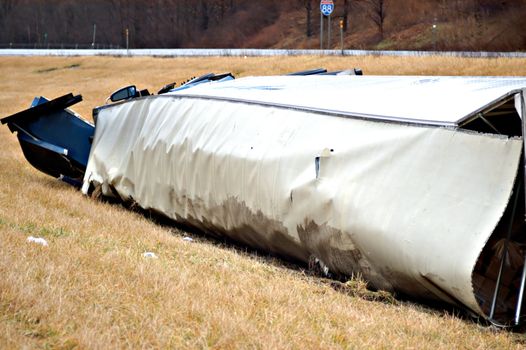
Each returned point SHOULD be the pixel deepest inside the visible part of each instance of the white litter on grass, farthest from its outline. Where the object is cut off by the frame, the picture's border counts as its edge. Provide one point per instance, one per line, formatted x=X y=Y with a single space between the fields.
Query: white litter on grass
x=150 y=255
x=188 y=239
x=37 y=240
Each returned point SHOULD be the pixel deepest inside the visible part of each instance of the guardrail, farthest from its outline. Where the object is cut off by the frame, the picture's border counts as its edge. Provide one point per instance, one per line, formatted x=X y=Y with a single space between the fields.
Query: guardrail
x=249 y=53
x=61 y=46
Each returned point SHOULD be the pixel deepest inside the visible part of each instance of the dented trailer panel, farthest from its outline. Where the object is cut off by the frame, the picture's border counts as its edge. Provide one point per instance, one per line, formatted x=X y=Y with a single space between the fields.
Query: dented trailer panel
x=350 y=170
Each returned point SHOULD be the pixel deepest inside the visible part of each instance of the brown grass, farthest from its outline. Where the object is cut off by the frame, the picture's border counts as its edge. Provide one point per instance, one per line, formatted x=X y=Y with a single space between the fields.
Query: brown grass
x=91 y=287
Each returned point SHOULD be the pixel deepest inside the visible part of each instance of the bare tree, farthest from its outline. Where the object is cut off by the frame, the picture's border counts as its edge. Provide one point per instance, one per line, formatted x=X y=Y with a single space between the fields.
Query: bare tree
x=345 y=15
x=5 y=8
x=376 y=10
x=205 y=15
x=307 y=4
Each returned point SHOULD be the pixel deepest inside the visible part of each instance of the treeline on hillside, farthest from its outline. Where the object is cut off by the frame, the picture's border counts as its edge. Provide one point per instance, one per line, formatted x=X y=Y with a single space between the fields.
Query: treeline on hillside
x=388 y=24
x=149 y=23
x=469 y=25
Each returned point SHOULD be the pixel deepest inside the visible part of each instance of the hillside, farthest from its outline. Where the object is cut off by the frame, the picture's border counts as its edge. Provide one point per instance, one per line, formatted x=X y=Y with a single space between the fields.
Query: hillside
x=488 y=25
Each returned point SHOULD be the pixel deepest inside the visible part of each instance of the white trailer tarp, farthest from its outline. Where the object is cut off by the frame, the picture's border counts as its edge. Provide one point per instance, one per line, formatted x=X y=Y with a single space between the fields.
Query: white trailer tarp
x=410 y=207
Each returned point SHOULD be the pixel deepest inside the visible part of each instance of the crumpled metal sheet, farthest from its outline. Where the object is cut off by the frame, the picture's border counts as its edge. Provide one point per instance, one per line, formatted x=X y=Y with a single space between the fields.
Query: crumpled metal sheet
x=408 y=207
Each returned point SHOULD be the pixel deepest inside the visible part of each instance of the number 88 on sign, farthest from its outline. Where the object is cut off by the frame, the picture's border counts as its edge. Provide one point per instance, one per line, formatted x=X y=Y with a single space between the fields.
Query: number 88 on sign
x=326 y=7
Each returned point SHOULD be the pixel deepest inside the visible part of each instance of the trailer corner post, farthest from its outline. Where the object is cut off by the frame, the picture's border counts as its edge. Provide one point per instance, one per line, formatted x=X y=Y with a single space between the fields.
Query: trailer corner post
x=523 y=277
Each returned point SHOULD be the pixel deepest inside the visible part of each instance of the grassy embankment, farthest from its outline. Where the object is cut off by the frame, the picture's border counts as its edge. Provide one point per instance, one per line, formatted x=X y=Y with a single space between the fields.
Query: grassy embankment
x=91 y=287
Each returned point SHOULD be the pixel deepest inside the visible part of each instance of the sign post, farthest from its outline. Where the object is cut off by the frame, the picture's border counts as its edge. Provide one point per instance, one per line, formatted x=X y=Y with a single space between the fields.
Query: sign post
x=326 y=8
x=329 y=32
x=321 y=31
x=341 y=34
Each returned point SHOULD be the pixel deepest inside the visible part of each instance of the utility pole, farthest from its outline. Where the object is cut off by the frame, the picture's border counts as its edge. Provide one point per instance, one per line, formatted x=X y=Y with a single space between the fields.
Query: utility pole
x=435 y=34
x=127 y=40
x=94 y=34
x=341 y=33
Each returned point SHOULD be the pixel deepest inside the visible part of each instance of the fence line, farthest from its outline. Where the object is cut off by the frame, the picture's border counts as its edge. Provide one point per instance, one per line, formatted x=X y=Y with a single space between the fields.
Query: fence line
x=249 y=53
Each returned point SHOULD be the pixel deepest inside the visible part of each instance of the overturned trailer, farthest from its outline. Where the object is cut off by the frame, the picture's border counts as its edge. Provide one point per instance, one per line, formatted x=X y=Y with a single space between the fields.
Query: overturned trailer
x=415 y=183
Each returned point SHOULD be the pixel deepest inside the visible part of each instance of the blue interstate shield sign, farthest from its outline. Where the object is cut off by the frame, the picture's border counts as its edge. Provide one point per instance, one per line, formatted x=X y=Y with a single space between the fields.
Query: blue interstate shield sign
x=326 y=7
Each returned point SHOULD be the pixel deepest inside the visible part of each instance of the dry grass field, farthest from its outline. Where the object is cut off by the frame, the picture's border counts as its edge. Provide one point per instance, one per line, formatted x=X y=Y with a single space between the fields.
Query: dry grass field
x=92 y=288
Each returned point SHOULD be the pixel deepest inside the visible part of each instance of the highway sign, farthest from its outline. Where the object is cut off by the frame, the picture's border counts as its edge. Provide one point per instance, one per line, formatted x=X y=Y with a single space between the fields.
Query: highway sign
x=326 y=7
